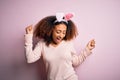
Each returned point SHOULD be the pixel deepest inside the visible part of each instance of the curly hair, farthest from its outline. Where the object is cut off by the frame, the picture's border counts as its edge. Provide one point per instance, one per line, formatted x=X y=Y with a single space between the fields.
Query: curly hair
x=44 y=29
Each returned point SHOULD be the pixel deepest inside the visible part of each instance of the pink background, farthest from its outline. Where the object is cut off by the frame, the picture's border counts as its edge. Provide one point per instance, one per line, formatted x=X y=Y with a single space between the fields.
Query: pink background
x=98 y=19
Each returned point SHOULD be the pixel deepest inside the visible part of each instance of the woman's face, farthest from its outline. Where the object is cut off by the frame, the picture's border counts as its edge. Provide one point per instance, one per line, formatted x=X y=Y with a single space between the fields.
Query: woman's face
x=59 y=33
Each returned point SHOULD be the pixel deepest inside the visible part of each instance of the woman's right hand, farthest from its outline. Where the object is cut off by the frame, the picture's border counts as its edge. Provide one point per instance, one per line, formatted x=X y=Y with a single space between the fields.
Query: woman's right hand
x=29 y=29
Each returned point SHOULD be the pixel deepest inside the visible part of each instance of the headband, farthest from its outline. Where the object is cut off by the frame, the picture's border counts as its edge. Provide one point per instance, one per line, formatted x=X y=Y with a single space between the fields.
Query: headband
x=63 y=17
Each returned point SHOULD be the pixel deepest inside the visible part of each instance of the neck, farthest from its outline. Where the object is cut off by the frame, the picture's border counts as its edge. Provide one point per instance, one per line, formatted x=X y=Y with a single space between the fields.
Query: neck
x=55 y=44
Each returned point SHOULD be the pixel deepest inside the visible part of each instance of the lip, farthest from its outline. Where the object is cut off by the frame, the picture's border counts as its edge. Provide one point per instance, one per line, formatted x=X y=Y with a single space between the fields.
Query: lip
x=58 y=39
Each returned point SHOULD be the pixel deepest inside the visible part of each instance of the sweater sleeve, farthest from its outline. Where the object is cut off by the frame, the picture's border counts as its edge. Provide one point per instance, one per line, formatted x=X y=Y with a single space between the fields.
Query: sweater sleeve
x=32 y=55
x=78 y=59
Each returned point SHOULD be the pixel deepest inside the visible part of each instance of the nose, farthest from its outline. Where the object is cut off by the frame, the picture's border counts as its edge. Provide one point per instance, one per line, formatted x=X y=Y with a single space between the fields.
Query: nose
x=62 y=35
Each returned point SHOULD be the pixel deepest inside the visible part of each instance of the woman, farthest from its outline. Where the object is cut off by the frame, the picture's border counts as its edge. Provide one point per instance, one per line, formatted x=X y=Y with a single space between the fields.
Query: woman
x=56 y=47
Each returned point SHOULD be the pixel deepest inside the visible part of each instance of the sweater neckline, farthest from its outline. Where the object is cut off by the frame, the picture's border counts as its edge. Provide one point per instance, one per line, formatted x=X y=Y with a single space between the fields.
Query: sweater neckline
x=57 y=45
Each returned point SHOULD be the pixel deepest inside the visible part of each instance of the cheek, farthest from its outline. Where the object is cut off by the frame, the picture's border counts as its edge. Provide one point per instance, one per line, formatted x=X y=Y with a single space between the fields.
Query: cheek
x=54 y=35
x=64 y=34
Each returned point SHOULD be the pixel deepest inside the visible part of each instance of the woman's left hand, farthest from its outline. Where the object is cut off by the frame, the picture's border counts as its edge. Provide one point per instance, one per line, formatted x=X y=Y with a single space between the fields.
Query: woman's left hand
x=91 y=44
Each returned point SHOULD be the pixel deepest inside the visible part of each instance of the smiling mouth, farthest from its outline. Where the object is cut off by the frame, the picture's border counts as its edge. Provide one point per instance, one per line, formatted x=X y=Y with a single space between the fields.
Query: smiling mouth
x=59 y=38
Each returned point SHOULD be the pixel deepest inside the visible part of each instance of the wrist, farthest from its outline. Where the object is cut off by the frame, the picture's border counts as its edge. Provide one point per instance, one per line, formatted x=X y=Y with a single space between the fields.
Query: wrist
x=88 y=50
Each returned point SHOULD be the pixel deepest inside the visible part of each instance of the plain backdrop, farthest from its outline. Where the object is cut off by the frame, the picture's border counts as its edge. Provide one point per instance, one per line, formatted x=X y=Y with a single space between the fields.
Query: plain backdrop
x=95 y=19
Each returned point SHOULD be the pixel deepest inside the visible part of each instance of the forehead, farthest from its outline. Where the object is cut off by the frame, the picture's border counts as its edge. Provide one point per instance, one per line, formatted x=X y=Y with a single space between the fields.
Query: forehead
x=61 y=27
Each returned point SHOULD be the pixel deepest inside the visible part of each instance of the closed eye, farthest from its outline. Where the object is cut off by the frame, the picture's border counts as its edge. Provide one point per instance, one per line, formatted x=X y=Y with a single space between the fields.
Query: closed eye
x=64 y=32
x=58 y=31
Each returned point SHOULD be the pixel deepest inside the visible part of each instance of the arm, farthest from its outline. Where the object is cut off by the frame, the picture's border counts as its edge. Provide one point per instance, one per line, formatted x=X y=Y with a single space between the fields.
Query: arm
x=78 y=59
x=31 y=55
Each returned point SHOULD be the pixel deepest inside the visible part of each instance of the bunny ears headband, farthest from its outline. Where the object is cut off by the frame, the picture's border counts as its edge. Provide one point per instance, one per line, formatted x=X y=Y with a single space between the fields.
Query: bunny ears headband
x=63 y=17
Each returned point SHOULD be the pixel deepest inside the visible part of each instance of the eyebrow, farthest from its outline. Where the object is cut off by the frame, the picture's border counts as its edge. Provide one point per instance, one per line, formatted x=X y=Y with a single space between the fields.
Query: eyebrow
x=61 y=30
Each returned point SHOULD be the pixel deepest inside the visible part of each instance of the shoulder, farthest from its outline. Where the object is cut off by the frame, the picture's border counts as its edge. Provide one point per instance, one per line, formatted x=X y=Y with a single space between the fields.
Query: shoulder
x=69 y=43
x=41 y=42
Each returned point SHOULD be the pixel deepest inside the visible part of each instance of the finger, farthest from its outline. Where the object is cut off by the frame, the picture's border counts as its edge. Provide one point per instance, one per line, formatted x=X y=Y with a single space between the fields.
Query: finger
x=93 y=44
x=30 y=27
x=93 y=41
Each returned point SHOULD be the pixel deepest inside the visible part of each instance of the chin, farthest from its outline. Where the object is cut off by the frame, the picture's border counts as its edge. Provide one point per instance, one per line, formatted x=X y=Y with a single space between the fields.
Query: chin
x=57 y=42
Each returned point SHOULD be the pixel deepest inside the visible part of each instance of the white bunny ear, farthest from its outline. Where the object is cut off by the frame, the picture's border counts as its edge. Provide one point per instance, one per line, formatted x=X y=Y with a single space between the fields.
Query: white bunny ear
x=59 y=16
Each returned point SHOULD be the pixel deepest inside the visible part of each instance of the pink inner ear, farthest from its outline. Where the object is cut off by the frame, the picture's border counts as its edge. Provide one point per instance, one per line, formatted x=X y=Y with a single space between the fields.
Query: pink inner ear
x=68 y=16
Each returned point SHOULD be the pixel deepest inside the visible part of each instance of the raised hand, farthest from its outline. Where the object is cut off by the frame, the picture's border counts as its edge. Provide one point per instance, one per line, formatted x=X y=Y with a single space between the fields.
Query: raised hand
x=91 y=44
x=29 y=29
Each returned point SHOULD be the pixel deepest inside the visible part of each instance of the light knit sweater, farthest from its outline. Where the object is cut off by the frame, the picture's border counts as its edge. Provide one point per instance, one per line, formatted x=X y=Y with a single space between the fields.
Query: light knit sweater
x=59 y=60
